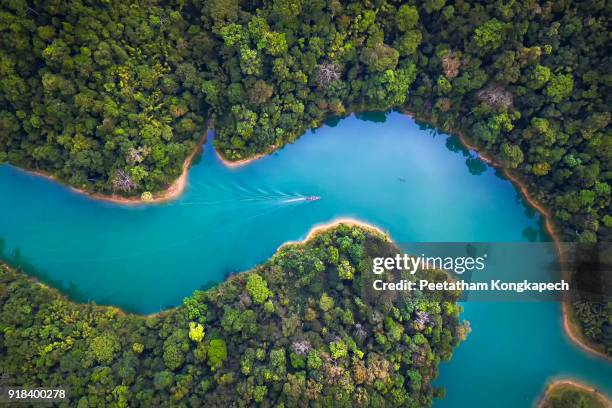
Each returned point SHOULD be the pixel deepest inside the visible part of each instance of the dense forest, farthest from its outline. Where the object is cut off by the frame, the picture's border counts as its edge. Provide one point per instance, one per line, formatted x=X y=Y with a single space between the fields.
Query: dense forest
x=301 y=328
x=112 y=97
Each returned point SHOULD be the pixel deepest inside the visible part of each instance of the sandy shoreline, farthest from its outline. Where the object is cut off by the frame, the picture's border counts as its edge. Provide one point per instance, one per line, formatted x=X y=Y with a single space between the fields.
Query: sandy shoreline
x=319 y=228
x=243 y=162
x=172 y=192
x=574 y=383
x=572 y=331
x=312 y=233
x=178 y=186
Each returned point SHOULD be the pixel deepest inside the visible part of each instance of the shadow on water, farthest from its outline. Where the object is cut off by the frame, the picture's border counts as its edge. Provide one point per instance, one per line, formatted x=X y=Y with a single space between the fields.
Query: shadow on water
x=332 y=121
x=376 y=117
x=20 y=262
x=369 y=116
x=454 y=145
x=475 y=166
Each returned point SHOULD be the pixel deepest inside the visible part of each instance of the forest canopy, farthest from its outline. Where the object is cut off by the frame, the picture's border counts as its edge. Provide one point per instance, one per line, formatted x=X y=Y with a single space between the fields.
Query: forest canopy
x=292 y=331
x=112 y=97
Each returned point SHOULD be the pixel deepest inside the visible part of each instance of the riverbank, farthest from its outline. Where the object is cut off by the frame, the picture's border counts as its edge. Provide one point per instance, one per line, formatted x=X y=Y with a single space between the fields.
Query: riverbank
x=311 y=234
x=244 y=162
x=571 y=326
x=351 y=222
x=172 y=192
x=559 y=386
x=573 y=330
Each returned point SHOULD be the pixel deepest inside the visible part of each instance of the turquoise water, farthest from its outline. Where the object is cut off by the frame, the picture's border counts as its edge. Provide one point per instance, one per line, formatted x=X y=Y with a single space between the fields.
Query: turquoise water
x=412 y=182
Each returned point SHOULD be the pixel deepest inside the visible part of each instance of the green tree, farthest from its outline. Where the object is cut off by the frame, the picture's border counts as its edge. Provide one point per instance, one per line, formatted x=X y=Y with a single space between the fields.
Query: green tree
x=217 y=353
x=560 y=87
x=258 y=288
x=380 y=57
x=407 y=17
x=490 y=35
x=105 y=347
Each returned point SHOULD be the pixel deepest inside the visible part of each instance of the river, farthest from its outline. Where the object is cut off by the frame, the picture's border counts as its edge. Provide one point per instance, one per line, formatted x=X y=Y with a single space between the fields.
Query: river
x=411 y=181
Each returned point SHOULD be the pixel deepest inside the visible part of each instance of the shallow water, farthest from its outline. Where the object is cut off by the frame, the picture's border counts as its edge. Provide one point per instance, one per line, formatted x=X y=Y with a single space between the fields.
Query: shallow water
x=410 y=181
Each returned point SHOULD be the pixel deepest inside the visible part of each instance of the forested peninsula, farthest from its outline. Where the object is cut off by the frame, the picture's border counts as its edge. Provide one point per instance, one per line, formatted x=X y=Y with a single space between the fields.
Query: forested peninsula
x=112 y=98
x=302 y=328
x=570 y=394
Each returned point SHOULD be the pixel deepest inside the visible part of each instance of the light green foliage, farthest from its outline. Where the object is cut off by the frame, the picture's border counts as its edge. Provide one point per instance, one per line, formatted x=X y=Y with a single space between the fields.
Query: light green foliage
x=332 y=255
x=269 y=307
x=195 y=306
x=314 y=361
x=258 y=288
x=393 y=329
x=196 y=332
x=346 y=270
x=560 y=87
x=501 y=123
x=490 y=35
x=104 y=348
x=137 y=348
x=217 y=353
x=278 y=361
x=539 y=76
x=338 y=349
x=544 y=129
x=260 y=393
x=391 y=87
x=407 y=17
x=326 y=303
x=541 y=169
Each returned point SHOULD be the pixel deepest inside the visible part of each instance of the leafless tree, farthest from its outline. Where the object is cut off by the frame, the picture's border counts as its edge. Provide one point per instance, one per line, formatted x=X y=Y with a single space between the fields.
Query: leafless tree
x=360 y=331
x=422 y=320
x=123 y=182
x=495 y=96
x=137 y=155
x=327 y=73
x=301 y=348
x=451 y=64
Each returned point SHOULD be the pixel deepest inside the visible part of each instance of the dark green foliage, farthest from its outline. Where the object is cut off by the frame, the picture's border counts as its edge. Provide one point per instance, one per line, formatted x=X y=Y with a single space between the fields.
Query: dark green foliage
x=596 y=321
x=325 y=341
x=112 y=97
x=102 y=97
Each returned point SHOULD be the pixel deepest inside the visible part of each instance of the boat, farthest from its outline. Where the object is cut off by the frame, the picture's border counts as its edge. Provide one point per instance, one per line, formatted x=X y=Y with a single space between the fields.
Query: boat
x=313 y=198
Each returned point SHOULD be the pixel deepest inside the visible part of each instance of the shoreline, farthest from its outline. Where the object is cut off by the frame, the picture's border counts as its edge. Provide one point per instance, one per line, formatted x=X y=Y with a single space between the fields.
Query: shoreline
x=172 y=192
x=319 y=228
x=178 y=186
x=605 y=400
x=244 y=162
x=569 y=327
x=312 y=233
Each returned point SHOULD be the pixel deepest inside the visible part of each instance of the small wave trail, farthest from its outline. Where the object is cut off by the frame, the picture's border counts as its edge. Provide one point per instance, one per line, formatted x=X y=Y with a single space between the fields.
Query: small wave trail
x=301 y=199
x=294 y=200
